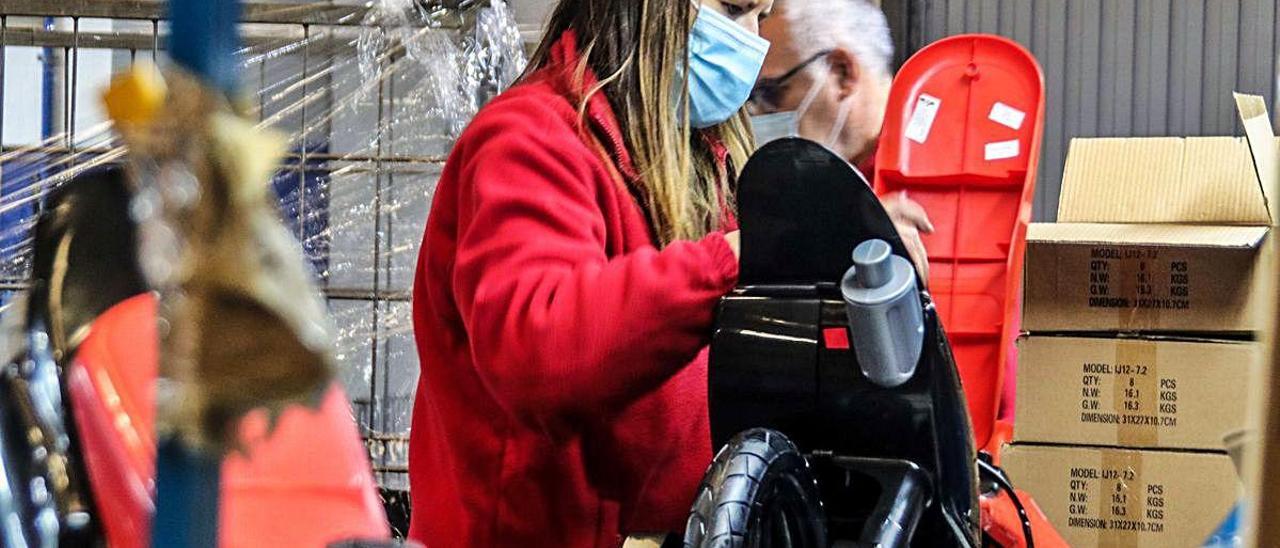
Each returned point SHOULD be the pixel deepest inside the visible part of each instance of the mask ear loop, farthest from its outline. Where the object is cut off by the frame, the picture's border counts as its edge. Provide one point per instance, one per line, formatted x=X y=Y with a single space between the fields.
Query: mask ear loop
x=841 y=118
x=813 y=91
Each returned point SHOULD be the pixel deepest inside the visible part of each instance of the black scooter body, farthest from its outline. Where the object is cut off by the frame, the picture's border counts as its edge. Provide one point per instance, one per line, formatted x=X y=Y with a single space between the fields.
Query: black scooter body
x=894 y=466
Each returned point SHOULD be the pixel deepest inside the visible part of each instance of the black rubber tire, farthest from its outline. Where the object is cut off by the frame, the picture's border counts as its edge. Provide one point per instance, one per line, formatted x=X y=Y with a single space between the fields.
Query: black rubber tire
x=758 y=492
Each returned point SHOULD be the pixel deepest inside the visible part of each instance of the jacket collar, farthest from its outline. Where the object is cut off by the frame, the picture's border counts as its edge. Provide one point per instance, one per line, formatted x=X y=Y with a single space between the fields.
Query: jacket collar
x=562 y=69
x=565 y=58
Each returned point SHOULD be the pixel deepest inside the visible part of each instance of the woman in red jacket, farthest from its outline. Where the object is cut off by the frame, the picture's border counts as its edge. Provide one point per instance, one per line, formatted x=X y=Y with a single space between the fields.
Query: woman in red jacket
x=579 y=240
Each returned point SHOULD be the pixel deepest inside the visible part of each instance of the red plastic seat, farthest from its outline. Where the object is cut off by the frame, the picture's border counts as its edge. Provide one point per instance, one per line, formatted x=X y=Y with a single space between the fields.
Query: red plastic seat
x=307 y=484
x=962 y=137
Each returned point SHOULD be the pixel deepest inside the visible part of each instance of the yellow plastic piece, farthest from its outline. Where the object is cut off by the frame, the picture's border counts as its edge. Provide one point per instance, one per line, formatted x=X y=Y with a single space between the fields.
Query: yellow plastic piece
x=136 y=95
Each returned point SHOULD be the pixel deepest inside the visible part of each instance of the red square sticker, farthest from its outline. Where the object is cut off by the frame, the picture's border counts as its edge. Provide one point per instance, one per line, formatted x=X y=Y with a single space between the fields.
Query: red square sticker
x=836 y=338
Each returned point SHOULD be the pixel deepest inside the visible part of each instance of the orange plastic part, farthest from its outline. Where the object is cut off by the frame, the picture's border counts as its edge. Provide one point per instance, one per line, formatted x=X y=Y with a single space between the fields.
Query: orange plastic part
x=1001 y=435
x=962 y=137
x=308 y=484
x=1001 y=522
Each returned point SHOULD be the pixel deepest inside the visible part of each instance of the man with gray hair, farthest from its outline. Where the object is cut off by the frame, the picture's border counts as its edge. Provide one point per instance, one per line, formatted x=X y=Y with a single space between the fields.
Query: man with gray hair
x=826 y=78
x=830 y=65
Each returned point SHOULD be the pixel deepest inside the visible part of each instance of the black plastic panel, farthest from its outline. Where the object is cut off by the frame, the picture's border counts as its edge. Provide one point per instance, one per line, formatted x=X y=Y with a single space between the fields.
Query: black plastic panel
x=802 y=210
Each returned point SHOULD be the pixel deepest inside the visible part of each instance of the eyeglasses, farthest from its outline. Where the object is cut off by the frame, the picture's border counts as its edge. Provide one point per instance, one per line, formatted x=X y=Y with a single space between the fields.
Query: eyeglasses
x=768 y=91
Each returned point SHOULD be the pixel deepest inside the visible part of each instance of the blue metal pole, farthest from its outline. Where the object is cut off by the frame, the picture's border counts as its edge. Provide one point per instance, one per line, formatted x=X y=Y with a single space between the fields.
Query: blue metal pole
x=48 y=77
x=204 y=41
x=187 y=485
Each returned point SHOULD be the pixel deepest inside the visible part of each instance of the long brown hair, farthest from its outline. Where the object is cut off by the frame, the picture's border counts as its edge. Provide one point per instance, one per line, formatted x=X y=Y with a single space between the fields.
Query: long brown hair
x=637 y=49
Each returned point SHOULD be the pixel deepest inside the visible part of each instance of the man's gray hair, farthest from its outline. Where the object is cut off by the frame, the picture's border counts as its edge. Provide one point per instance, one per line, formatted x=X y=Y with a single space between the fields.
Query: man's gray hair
x=857 y=25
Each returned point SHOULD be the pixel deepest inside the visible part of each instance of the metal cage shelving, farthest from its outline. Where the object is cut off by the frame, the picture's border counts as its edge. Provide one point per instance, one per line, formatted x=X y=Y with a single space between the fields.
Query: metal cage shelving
x=356 y=186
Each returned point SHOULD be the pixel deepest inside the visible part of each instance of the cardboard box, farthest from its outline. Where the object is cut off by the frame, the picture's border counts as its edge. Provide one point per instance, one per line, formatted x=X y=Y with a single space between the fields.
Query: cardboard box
x=1132 y=392
x=1132 y=278
x=1154 y=234
x=1119 y=497
x=1261 y=446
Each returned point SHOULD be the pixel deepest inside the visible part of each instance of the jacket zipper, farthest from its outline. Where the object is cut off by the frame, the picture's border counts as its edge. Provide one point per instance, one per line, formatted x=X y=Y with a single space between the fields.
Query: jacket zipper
x=619 y=151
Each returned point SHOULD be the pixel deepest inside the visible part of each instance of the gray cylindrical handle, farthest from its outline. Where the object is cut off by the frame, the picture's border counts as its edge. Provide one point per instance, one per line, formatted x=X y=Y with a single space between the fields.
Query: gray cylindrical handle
x=886 y=318
x=872 y=265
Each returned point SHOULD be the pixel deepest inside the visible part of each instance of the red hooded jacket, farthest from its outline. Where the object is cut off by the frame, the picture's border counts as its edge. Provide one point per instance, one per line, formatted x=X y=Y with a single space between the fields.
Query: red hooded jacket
x=563 y=395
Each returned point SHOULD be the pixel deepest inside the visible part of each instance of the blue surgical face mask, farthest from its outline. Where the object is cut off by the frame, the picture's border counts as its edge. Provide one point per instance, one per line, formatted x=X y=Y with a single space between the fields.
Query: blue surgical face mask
x=724 y=61
x=780 y=125
x=776 y=125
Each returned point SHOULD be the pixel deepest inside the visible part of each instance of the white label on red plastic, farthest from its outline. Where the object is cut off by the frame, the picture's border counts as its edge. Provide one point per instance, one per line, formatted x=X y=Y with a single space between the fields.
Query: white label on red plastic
x=1002 y=150
x=922 y=118
x=1006 y=115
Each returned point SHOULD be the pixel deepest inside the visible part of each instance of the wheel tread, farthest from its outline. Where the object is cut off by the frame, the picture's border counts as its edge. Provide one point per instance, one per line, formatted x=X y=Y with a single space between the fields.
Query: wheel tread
x=722 y=511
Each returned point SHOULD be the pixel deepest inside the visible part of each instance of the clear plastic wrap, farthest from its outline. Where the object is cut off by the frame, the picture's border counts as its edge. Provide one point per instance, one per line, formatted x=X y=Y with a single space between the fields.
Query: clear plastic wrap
x=371 y=112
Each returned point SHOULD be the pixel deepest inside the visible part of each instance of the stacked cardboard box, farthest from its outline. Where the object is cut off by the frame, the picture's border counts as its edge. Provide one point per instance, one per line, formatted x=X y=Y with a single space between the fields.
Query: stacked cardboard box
x=1140 y=309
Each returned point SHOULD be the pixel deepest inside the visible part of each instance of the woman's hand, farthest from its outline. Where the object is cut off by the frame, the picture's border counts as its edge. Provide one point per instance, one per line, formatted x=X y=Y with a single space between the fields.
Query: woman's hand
x=911 y=220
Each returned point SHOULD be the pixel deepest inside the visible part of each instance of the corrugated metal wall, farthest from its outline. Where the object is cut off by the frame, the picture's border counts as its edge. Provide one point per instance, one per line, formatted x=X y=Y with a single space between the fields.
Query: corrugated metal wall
x=1124 y=67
